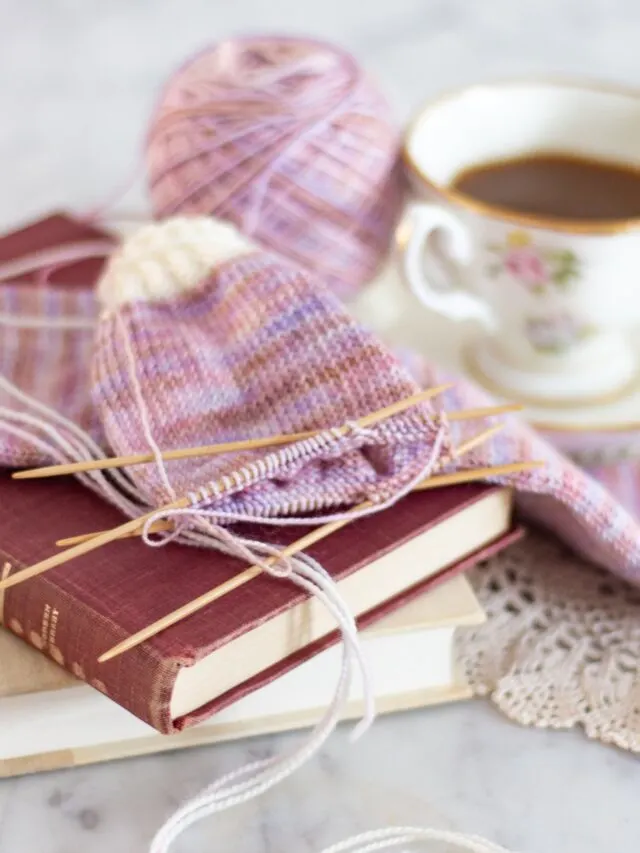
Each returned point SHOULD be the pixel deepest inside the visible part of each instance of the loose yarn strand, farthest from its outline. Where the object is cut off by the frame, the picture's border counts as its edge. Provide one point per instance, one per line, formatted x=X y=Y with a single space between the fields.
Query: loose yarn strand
x=386 y=839
x=86 y=444
x=62 y=451
x=76 y=447
x=28 y=437
x=258 y=777
x=234 y=788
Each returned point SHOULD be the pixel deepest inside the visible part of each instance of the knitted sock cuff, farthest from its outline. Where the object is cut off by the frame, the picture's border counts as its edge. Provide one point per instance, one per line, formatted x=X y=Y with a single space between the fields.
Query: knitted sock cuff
x=165 y=259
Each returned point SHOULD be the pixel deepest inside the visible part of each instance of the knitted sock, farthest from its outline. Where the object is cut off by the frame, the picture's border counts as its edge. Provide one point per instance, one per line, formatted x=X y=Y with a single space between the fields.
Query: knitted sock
x=204 y=338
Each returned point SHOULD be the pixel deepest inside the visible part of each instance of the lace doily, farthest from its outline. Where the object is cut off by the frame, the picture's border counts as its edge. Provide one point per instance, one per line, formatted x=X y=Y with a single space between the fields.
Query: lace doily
x=561 y=646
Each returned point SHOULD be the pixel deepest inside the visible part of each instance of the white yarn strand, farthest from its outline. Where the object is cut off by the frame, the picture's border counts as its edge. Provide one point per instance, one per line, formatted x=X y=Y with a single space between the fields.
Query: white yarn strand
x=386 y=839
x=62 y=452
x=258 y=777
x=74 y=445
x=87 y=447
x=142 y=408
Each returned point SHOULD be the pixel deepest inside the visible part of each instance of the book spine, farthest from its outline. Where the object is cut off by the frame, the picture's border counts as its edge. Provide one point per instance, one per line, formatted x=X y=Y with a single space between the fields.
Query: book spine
x=72 y=634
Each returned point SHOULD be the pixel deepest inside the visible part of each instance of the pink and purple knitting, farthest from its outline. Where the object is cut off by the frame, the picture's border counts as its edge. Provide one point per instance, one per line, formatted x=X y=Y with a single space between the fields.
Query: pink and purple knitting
x=205 y=338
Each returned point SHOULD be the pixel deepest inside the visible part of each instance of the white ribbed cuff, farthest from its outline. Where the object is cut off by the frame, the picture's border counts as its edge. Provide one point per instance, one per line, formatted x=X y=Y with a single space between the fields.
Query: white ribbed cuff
x=164 y=259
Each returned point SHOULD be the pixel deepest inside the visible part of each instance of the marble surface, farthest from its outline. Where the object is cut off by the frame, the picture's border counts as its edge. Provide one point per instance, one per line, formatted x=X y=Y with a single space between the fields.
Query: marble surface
x=459 y=767
x=78 y=82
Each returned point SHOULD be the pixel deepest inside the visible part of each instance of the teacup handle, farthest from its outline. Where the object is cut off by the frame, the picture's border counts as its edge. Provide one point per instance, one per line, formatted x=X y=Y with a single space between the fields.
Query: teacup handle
x=456 y=303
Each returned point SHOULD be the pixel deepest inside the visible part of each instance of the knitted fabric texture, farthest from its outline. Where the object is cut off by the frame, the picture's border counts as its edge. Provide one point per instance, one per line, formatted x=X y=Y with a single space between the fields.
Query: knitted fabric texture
x=206 y=339
x=46 y=343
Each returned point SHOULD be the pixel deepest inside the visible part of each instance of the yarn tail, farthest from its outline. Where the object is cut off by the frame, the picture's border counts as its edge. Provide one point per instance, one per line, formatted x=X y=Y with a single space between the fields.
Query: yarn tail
x=61 y=440
x=256 y=778
x=393 y=837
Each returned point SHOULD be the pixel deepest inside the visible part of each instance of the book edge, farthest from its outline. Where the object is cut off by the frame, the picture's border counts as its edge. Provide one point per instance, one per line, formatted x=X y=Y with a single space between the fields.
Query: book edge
x=209 y=735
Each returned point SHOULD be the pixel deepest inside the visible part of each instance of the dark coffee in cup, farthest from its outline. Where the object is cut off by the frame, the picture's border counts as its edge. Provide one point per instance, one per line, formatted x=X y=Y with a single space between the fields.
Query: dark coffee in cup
x=555 y=186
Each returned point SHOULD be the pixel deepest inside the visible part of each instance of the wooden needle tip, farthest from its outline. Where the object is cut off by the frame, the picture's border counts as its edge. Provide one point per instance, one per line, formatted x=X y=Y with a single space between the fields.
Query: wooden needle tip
x=73 y=540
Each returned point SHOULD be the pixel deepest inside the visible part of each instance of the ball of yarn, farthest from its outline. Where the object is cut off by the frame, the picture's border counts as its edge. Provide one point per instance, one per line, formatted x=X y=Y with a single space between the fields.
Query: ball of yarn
x=287 y=139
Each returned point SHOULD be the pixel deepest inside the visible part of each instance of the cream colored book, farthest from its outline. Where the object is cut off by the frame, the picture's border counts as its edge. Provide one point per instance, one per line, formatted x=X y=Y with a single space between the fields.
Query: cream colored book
x=49 y=720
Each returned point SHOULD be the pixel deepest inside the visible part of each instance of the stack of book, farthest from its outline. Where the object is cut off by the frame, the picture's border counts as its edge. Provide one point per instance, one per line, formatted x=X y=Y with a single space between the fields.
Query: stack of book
x=50 y=720
x=264 y=658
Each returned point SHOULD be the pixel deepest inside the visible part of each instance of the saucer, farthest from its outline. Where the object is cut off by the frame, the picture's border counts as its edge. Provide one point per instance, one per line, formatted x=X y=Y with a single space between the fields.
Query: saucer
x=596 y=433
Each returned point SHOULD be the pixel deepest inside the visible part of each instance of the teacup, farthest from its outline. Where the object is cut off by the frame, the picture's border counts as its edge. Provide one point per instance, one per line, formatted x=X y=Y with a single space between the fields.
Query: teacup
x=558 y=297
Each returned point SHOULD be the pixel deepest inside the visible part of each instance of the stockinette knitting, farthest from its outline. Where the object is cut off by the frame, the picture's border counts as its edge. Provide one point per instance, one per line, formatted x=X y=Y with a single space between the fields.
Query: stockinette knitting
x=205 y=338
x=46 y=342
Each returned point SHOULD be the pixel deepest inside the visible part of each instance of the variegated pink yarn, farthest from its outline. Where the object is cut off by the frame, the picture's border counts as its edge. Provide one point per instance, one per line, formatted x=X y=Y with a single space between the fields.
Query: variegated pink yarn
x=290 y=141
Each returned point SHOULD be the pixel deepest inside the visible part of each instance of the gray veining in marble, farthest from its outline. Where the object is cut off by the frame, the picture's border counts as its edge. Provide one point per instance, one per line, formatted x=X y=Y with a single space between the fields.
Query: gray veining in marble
x=78 y=81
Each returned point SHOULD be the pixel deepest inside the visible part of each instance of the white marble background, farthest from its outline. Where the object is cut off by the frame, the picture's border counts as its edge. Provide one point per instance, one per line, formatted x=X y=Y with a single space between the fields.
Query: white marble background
x=78 y=78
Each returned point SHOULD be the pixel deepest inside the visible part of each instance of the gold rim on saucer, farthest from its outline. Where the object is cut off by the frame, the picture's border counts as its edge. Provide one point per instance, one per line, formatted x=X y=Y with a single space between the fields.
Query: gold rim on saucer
x=624 y=426
x=474 y=370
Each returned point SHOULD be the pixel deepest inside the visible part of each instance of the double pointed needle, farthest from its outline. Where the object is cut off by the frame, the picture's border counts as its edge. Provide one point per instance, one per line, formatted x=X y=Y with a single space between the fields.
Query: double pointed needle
x=306 y=541
x=435 y=482
x=229 y=447
x=136 y=524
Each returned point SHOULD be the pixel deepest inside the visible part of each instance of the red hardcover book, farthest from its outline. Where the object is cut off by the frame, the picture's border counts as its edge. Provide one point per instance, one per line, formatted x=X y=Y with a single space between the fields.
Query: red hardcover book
x=51 y=232
x=245 y=639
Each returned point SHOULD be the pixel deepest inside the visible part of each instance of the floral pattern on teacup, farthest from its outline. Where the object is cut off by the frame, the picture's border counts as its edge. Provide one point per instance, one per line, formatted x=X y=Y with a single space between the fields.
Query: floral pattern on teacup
x=535 y=268
x=556 y=333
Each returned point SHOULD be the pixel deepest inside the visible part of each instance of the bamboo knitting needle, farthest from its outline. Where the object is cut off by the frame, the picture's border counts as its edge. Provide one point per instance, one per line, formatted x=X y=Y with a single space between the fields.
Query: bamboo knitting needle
x=469 y=476
x=123 y=529
x=162 y=525
x=299 y=545
x=226 y=447
x=249 y=574
x=214 y=449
